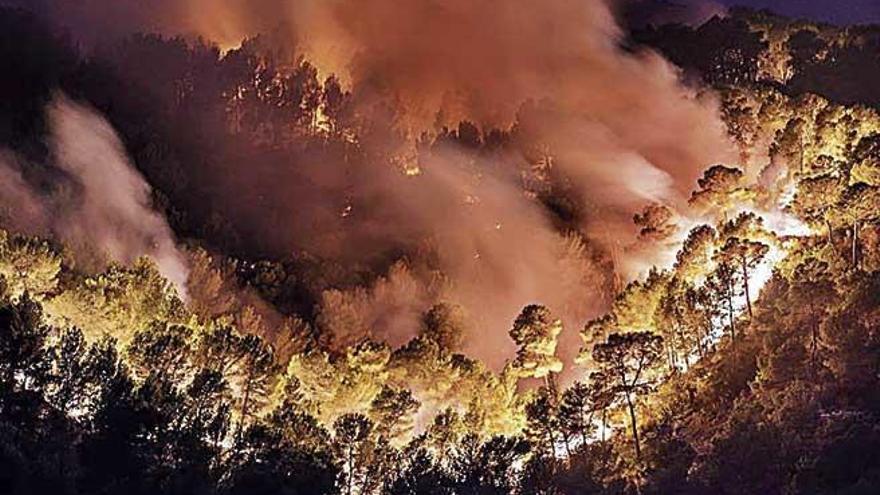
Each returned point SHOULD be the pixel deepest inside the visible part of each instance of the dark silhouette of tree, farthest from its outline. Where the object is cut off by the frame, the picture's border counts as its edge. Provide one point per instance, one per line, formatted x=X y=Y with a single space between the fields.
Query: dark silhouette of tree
x=23 y=361
x=246 y=363
x=445 y=324
x=420 y=474
x=858 y=205
x=352 y=438
x=723 y=285
x=746 y=255
x=576 y=412
x=164 y=350
x=679 y=337
x=654 y=222
x=268 y=462
x=699 y=314
x=542 y=423
x=804 y=47
x=70 y=387
x=487 y=467
x=815 y=287
x=626 y=363
x=257 y=377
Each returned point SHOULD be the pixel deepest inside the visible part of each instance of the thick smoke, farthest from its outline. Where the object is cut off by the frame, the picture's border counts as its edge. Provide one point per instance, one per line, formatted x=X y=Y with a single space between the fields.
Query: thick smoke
x=442 y=62
x=92 y=198
x=617 y=126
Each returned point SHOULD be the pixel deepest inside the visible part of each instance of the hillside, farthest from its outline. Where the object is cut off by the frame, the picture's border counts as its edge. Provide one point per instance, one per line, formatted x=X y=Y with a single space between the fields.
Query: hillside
x=231 y=271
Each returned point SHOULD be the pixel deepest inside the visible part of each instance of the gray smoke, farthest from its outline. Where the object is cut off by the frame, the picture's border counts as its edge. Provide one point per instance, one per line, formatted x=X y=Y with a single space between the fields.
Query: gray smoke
x=92 y=198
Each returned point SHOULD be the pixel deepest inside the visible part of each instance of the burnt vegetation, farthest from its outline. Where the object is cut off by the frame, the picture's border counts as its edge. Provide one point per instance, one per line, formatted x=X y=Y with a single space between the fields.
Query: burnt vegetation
x=750 y=365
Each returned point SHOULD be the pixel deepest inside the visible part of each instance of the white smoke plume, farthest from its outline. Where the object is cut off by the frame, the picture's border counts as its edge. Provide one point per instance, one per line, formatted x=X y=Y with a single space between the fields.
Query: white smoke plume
x=94 y=200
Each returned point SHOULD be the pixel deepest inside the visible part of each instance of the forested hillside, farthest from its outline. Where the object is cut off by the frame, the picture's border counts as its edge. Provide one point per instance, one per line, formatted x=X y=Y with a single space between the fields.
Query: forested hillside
x=266 y=317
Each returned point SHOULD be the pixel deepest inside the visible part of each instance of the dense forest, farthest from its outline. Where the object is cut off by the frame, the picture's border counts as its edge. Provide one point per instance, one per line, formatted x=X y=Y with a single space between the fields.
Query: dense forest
x=200 y=338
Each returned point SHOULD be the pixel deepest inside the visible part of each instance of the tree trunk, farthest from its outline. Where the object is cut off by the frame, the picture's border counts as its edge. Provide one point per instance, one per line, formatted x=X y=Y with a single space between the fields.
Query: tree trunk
x=732 y=320
x=731 y=316
x=680 y=336
x=567 y=439
x=635 y=428
x=802 y=155
x=584 y=424
x=830 y=236
x=550 y=383
x=710 y=327
x=855 y=244
x=243 y=411
x=814 y=344
x=350 y=469
x=552 y=440
x=745 y=269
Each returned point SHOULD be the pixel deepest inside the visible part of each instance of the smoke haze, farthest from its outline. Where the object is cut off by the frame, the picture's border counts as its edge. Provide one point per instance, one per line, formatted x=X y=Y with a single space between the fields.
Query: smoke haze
x=93 y=200
x=640 y=13
x=617 y=127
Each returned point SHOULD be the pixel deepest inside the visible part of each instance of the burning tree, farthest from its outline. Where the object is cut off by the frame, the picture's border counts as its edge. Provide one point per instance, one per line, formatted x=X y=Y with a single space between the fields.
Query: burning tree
x=352 y=441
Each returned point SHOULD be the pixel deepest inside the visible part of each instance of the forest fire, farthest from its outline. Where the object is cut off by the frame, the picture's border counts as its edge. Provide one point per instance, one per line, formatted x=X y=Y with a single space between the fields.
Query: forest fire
x=440 y=247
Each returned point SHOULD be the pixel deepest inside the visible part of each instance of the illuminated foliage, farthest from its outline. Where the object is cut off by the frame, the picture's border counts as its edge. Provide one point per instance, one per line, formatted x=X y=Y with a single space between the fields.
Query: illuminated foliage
x=271 y=376
x=118 y=302
x=695 y=254
x=392 y=413
x=28 y=265
x=720 y=188
x=535 y=332
x=654 y=222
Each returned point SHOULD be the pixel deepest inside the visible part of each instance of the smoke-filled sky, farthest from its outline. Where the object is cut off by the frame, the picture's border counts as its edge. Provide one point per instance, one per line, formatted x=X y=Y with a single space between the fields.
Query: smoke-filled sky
x=842 y=12
x=835 y=11
x=618 y=126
